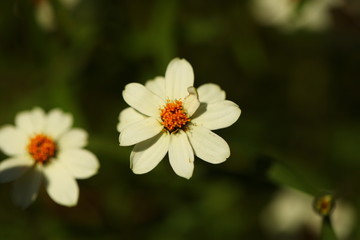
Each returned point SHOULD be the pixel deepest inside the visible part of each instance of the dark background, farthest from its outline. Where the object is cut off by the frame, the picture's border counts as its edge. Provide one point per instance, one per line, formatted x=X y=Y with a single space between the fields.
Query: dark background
x=298 y=92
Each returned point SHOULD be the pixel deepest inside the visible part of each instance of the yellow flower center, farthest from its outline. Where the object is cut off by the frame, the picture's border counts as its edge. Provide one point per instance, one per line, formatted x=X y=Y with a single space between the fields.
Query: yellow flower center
x=41 y=148
x=324 y=204
x=173 y=116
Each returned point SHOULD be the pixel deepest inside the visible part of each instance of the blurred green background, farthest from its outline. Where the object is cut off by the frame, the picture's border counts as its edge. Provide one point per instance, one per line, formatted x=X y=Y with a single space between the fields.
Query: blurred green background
x=298 y=92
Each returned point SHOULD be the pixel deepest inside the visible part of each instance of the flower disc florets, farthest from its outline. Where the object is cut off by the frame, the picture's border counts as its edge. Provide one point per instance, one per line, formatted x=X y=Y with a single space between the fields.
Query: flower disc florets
x=173 y=116
x=41 y=148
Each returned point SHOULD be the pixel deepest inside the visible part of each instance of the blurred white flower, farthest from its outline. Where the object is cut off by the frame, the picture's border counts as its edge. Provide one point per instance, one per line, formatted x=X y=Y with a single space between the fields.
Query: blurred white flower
x=70 y=4
x=169 y=115
x=294 y=14
x=44 y=147
x=45 y=15
x=292 y=210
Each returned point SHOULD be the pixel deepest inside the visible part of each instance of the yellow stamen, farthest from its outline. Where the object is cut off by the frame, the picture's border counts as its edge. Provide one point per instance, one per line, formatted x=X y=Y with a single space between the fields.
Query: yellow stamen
x=41 y=148
x=173 y=115
x=324 y=204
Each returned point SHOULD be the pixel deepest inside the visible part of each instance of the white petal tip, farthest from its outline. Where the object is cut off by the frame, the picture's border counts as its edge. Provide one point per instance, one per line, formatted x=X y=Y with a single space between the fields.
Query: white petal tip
x=138 y=171
x=118 y=127
x=192 y=90
x=239 y=110
x=122 y=143
x=71 y=204
x=66 y=203
x=187 y=177
x=221 y=161
x=125 y=144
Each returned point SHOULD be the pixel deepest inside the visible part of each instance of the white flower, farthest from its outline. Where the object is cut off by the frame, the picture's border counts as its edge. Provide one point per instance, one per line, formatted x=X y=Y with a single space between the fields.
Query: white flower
x=43 y=148
x=45 y=14
x=292 y=210
x=168 y=115
x=70 y=4
x=294 y=14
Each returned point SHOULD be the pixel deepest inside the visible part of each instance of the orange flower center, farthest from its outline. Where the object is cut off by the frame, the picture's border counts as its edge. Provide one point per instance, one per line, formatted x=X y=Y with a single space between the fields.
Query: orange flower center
x=41 y=148
x=324 y=204
x=173 y=116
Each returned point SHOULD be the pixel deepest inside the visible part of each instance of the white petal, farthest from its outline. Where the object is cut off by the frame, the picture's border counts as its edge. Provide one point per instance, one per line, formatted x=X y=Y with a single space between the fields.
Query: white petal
x=210 y=93
x=344 y=219
x=127 y=117
x=25 y=188
x=288 y=210
x=60 y=184
x=140 y=131
x=13 y=168
x=57 y=123
x=13 y=141
x=70 y=4
x=157 y=86
x=178 y=77
x=191 y=102
x=218 y=115
x=142 y=99
x=31 y=122
x=207 y=145
x=181 y=155
x=81 y=163
x=45 y=16
x=75 y=138
x=147 y=154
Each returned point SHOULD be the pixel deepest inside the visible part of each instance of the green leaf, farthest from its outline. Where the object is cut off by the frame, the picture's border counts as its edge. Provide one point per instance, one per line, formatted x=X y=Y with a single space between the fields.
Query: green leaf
x=284 y=175
x=327 y=231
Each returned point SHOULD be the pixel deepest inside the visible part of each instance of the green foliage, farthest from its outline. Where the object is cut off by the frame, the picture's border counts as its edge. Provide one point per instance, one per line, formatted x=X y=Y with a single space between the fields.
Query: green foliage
x=299 y=95
x=327 y=232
